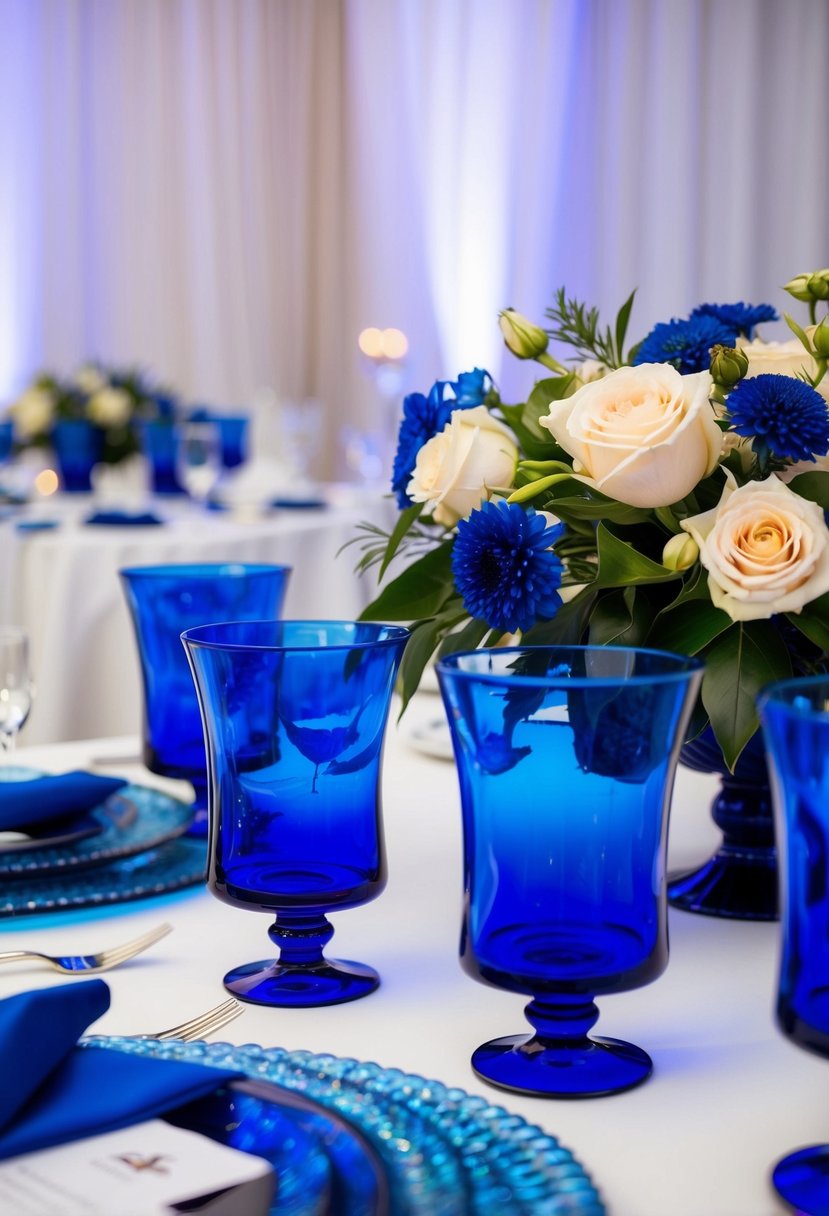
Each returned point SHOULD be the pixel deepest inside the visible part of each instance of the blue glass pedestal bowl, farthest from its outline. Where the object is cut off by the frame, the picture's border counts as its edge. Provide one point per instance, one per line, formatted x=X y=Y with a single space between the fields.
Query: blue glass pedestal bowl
x=294 y=716
x=795 y=720
x=739 y=880
x=163 y=601
x=566 y=758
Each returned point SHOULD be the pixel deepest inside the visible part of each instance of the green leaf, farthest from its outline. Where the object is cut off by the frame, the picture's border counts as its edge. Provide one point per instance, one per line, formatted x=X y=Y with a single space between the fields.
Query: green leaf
x=620 y=565
x=813 y=621
x=737 y=665
x=687 y=628
x=420 y=647
x=797 y=329
x=404 y=521
x=468 y=638
x=814 y=486
x=421 y=590
x=622 y=318
x=569 y=625
x=535 y=440
x=572 y=499
x=621 y=618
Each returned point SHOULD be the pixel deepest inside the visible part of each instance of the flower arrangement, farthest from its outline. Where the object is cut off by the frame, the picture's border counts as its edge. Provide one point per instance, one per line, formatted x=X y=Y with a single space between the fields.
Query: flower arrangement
x=671 y=495
x=112 y=400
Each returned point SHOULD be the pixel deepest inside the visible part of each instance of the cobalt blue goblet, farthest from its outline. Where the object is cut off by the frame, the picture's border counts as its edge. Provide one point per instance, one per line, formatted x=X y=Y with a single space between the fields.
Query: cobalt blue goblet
x=566 y=758
x=294 y=716
x=164 y=601
x=78 y=446
x=795 y=719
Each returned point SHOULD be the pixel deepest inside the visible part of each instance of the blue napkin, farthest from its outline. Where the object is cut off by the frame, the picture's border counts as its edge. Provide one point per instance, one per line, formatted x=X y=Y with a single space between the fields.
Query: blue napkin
x=24 y=804
x=124 y=519
x=54 y=1091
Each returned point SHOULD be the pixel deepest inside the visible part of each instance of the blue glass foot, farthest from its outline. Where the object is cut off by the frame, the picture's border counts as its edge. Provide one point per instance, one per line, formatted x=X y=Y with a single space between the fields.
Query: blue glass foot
x=802 y=1180
x=729 y=885
x=301 y=977
x=331 y=982
x=559 y=1060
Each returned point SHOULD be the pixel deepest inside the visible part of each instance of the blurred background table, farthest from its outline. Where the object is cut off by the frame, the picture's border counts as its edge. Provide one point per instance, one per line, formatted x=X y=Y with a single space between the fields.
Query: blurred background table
x=61 y=585
x=728 y=1095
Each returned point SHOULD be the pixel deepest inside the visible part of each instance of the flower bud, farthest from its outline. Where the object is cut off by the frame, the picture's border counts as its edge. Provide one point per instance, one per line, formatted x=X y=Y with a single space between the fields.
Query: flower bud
x=524 y=339
x=820 y=339
x=728 y=365
x=819 y=285
x=799 y=287
x=680 y=553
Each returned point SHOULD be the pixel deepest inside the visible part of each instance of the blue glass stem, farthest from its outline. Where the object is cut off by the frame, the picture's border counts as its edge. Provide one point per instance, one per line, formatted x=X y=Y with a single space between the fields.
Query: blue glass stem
x=300 y=939
x=566 y=1020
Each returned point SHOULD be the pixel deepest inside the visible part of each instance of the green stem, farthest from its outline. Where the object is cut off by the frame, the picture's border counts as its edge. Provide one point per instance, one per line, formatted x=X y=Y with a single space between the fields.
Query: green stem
x=553 y=364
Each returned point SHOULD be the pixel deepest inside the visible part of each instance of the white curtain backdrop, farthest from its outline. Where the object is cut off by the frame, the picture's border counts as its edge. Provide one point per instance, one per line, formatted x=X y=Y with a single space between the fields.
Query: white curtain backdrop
x=226 y=192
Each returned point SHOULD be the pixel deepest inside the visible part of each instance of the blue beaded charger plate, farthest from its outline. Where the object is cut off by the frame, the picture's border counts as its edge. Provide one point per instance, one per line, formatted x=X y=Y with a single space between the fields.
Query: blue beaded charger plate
x=131 y=821
x=170 y=867
x=443 y=1152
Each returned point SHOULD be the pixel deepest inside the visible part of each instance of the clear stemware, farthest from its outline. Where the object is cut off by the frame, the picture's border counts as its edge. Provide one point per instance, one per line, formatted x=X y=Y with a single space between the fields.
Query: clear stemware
x=199 y=459
x=16 y=685
x=795 y=719
x=566 y=758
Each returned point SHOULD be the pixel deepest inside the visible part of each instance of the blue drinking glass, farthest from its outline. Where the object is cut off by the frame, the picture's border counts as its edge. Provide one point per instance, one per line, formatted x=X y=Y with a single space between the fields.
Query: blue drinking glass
x=294 y=715
x=566 y=758
x=164 y=601
x=233 y=437
x=78 y=446
x=159 y=443
x=795 y=720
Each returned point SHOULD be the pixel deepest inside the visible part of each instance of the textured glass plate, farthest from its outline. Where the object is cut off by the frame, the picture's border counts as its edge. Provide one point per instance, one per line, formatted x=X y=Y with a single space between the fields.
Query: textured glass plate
x=445 y=1152
x=43 y=835
x=170 y=867
x=323 y=1165
x=134 y=819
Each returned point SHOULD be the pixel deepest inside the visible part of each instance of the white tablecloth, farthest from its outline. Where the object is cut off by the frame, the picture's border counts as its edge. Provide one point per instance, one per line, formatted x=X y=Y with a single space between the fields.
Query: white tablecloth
x=62 y=586
x=728 y=1095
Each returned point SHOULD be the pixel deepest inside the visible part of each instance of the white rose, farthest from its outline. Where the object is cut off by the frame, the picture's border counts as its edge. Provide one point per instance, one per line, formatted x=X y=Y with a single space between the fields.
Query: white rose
x=109 y=407
x=33 y=412
x=89 y=380
x=765 y=548
x=644 y=435
x=780 y=359
x=457 y=470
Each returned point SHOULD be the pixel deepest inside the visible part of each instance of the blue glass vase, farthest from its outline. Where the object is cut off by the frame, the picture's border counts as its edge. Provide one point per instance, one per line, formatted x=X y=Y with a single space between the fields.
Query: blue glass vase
x=163 y=602
x=795 y=720
x=566 y=758
x=78 y=446
x=294 y=716
x=739 y=880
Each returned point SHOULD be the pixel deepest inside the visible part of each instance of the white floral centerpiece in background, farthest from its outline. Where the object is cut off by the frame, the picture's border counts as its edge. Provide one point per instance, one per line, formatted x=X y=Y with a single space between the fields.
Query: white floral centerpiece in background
x=669 y=494
x=111 y=400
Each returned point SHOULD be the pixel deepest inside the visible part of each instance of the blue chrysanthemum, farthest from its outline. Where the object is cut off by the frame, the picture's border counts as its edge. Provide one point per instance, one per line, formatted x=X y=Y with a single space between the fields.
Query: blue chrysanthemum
x=472 y=387
x=784 y=416
x=740 y=317
x=424 y=417
x=504 y=568
x=686 y=345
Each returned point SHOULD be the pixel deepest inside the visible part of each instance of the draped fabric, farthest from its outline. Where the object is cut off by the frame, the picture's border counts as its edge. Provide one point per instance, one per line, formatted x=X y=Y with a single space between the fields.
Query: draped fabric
x=226 y=192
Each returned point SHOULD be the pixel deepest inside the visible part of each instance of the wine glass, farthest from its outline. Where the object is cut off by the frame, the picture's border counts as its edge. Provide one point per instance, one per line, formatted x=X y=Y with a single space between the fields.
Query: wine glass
x=199 y=459
x=566 y=758
x=795 y=719
x=16 y=685
x=294 y=715
x=163 y=601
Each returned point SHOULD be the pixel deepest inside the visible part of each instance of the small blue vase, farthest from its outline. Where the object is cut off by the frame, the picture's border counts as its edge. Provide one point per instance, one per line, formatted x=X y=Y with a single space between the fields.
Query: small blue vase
x=294 y=715
x=163 y=602
x=740 y=880
x=78 y=446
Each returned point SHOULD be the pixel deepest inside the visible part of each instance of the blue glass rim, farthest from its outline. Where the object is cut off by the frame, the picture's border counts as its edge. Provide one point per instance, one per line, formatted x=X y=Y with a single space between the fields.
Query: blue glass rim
x=203 y=570
x=677 y=666
x=240 y=636
x=794 y=696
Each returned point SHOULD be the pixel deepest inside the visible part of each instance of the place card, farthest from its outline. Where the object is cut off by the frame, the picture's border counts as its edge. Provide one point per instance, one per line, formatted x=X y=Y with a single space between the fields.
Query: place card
x=151 y=1169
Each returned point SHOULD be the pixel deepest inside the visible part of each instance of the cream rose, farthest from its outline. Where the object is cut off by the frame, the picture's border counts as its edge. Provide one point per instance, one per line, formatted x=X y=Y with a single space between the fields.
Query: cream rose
x=456 y=470
x=644 y=435
x=33 y=412
x=765 y=548
x=781 y=359
x=109 y=407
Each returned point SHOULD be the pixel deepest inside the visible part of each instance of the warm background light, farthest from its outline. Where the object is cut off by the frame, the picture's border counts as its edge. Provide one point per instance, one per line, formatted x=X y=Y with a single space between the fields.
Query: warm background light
x=370 y=343
x=394 y=343
x=377 y=344
x=46 y=482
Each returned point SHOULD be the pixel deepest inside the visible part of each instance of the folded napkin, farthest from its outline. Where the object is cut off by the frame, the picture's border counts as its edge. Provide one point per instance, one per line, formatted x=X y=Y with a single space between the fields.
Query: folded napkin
x=54 y=1091
x=124 y=519
x=24 y=804
x=298 y=504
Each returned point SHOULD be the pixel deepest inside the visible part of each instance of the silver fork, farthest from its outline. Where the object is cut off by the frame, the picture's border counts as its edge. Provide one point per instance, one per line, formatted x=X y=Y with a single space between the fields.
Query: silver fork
x=203 y=1025
x=88 y=964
